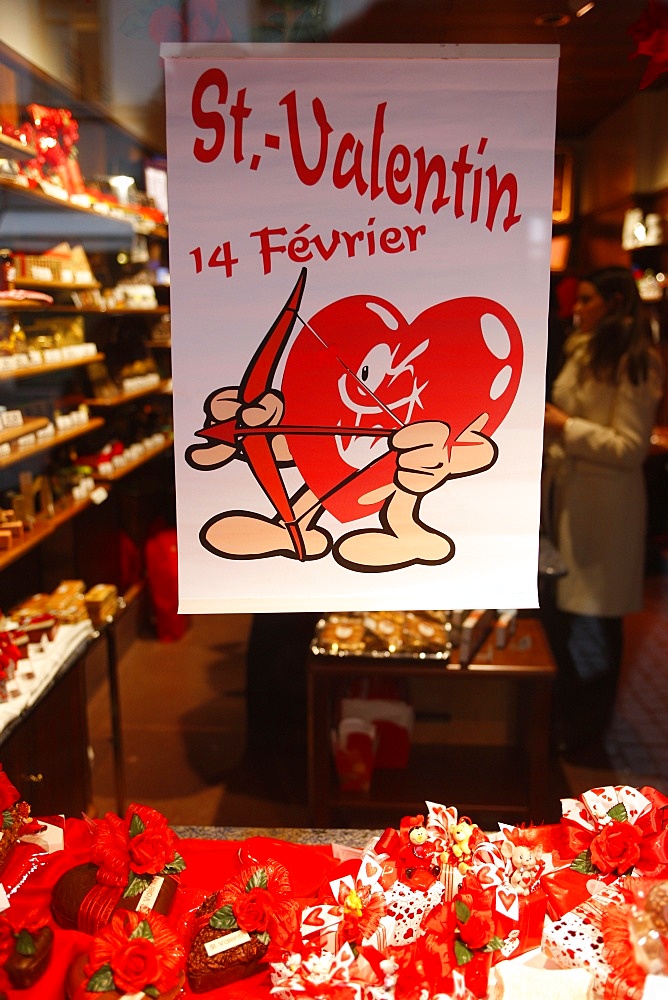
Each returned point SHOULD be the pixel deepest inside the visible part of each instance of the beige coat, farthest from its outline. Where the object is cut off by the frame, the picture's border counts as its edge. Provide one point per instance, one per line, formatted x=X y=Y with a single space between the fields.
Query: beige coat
x=598 y=498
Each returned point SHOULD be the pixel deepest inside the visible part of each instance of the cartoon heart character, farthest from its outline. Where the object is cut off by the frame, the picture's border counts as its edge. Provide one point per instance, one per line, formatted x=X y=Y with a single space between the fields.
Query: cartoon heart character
x=359 y=364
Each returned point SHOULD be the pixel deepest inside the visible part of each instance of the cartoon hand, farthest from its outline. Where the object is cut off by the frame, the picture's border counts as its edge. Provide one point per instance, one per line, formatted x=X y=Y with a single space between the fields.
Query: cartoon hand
x=221 y=406
x=267 y=411
x=426 y=456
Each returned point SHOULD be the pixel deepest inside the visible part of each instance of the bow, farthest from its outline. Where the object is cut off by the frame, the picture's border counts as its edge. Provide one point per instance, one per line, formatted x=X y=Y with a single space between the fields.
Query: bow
x=257 y=380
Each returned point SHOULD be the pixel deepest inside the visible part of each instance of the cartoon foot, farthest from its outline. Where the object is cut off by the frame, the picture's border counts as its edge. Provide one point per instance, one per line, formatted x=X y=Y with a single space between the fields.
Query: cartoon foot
x=375 y=550
x=251 y=536
x=402 y=541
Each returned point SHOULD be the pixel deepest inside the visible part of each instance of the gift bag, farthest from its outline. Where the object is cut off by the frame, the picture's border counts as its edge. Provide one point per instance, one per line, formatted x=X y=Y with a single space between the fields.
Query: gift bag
x=161 y=574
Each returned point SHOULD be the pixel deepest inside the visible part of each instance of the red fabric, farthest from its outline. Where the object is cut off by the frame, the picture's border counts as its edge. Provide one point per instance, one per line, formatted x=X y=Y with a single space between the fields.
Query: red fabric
x=29 y=878
x=565 y=889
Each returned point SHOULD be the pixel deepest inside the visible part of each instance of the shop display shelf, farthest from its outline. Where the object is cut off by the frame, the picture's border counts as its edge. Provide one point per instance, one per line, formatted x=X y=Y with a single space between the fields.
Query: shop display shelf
x=161 y=388
x=42 y=529
x=125 y=470
x=21 y=454
x=30 y=371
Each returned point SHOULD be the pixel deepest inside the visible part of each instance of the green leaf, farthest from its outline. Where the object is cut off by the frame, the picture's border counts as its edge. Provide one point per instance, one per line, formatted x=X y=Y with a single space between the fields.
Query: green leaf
x=136 y=885
x=265 y=938
x=258 y=880
x=177 y=865
x=223 y=919
x=462 y=911
x=494 y=944
x=143 y=930
x=151 y=991
x=101 y=981
x=137 y=825
x=462 y=953
x=25 y=943
x=618 y=812
x=7 y=819
x=583 y=863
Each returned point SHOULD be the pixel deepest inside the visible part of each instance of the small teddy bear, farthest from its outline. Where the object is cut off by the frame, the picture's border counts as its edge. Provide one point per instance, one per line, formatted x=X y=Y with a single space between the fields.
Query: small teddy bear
x=462 y=834
x=526 y=864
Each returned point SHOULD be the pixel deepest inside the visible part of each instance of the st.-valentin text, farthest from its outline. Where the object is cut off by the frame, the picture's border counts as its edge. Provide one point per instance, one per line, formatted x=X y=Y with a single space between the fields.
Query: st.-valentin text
x=466 y=184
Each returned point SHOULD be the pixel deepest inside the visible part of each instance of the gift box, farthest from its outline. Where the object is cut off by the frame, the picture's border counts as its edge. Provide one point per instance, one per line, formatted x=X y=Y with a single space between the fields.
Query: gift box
x=506 y=875
x=609 y=832
x=135 y=865
x=576 y=941
x=566 y=888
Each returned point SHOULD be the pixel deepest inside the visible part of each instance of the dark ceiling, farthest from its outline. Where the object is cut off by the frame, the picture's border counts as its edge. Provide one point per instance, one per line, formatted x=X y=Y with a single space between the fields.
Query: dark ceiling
x=596 y=74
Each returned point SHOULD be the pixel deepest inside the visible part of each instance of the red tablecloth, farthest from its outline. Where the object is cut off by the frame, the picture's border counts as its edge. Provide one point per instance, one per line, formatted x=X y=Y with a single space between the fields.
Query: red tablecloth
x=30 y=876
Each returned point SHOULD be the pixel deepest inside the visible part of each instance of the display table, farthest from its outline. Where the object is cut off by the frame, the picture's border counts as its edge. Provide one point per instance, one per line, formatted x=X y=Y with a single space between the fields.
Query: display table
x=212 y=856
x=316 y=862
x=486 y=781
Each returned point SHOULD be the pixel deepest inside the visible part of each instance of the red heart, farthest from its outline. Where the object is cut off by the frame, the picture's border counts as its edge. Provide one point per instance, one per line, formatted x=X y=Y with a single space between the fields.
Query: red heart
x=485 y=875
x=507 y=898
x=455 y=361
x=370 y=870
x=315 y=918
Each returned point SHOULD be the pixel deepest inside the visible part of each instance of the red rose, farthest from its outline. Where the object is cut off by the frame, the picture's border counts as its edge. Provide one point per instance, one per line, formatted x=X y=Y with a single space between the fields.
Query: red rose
x=477 y=930
x=135 y=966
x=253 y=910
x=158 y=961
x=616 y=848
x=152 y=850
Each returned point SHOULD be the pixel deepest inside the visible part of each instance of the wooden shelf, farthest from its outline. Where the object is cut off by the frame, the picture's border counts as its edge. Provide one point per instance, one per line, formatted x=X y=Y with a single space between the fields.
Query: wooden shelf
x=56 y=309
x=131 y=466
x=32 y=370
x=162 y=388
x=86 y=221
x=42 y=530
x=58 y=438
x=12 y=149
x=36 y=221
x=93 y=311
x=69 y=286
x=479 y=779
x=29 y=426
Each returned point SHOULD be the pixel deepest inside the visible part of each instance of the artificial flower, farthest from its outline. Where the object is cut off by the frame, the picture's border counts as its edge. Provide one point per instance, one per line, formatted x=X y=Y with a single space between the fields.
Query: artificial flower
x=615 y=830
x=131 y=850
x=135 y=953
x=362 y=911
x=259 y=900
x=616 y=848
x=458 y=935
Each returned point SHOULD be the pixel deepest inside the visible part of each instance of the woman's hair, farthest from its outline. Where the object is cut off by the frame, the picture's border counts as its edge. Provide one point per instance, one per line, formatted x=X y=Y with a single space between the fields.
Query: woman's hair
x=623 y=334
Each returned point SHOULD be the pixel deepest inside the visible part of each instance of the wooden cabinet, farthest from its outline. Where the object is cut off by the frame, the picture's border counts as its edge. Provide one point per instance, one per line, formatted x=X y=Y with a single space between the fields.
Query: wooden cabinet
x=45 y=753
x=484 y=782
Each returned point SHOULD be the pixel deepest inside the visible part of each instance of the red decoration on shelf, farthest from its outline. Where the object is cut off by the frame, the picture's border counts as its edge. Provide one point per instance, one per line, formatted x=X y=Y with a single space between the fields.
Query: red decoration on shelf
x=650 y=33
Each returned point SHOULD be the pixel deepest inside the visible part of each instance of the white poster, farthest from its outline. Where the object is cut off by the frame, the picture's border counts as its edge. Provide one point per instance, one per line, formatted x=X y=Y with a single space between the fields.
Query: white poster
x=359 y=254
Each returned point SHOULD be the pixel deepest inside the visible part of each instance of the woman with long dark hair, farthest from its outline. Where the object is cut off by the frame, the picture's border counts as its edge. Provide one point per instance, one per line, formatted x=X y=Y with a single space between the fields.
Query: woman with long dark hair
x=597 y=434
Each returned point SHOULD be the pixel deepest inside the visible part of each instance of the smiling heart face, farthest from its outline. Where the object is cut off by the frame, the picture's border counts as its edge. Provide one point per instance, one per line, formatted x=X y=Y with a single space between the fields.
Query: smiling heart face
x=457 y=360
